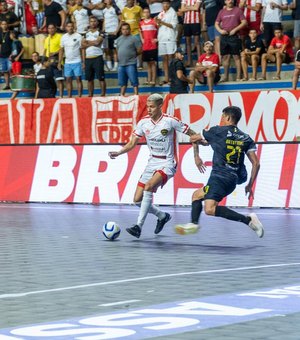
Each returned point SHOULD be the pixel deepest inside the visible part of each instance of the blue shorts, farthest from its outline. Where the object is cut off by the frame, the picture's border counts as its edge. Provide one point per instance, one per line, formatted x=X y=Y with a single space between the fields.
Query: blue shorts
x=212 y=33
x=128 y=72
x=5 y=65
x=219 y=187
x=73 y=70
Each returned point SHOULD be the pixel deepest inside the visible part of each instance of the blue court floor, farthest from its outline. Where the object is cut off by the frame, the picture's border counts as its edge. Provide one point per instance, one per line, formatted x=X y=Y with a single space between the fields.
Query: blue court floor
x=60 y=279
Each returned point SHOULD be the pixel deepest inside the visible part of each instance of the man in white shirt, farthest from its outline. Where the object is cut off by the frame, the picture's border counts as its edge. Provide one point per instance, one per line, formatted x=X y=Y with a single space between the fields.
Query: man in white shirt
x=160 y=132
x=93 y=56
x=167 y=22
x=271 y=18
x=70 y=45
x=81 y=17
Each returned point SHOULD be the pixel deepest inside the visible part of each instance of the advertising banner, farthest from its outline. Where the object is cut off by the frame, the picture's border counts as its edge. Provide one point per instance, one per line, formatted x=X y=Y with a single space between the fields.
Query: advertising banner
x=86 y=174
x=267 y=116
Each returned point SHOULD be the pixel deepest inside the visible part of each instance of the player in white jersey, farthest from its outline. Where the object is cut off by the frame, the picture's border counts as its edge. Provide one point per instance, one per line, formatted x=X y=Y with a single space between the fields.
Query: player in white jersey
x=160 y=132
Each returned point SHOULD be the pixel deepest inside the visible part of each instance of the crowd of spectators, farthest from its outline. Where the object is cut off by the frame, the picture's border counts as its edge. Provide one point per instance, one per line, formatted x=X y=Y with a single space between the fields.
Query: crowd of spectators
x=87 y=38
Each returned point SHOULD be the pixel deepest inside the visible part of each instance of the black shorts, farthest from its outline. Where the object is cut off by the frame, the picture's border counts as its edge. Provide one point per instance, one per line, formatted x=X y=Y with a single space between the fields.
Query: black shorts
x=217 y=79
x=150 y=55
x=191 y=30
x=111 y=41
x=230 y=44
x=94 y=68
x=219 y=187
x=286 y=58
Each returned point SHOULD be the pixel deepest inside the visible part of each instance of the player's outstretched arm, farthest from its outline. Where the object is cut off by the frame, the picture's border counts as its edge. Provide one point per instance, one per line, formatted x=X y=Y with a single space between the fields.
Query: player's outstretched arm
x=255 y=168
x=126 y=148
x=198 y=138
x=198 y=160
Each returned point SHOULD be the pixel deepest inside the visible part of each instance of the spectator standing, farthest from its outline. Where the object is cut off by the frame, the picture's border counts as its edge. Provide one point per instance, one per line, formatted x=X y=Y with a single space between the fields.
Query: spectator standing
x=210 y=13
x=176 y=5
x=16 y=54
x=272 y=18
x=71 y=46
x=46 y=86
x=5 y=52
x=167 y=22
x=132 y=14
x=178 y=74
x=54 y=14
x=207 y=70
x=295 y=7
x=93 y=56
x=31 y=22
x=51 y=50
x=252 y=12
x=251 y=55
x=280 y=51
x=149 y=29
x=296 y=73
x=8 y=16
x=229 y=22
x=97 y=6
x=81 y=17
x=191 y=26
x=111 y=28
x=128 y=49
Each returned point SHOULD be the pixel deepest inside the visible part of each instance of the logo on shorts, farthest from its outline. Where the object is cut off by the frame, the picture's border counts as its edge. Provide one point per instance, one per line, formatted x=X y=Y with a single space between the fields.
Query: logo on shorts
x=164 y=132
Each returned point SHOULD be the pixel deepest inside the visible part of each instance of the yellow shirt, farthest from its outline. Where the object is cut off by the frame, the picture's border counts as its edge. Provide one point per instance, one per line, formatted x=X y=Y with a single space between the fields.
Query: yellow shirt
x=132 y=16
x=52 y=44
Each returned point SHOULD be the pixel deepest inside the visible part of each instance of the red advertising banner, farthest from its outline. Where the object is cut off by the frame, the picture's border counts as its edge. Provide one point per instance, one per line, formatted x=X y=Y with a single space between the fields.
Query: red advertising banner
x=267 y=116
x=86 y=174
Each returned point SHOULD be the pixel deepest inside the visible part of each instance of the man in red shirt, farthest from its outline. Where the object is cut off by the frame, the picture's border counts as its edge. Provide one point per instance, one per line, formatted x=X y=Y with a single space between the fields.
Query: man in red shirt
x=229 y=22
x=207 y=68
x=148 y=33
x=279 y=51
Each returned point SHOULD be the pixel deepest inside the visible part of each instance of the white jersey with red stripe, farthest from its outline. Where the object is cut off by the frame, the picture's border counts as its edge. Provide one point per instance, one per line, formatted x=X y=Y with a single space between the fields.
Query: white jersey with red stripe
x=161 y=135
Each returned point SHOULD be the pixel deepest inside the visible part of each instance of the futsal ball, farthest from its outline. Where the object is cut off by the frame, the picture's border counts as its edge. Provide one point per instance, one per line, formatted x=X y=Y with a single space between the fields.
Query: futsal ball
x=111 y=230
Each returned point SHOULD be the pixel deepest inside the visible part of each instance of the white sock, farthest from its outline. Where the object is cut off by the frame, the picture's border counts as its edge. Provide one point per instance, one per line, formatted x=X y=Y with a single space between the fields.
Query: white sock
x=155 y=211
x=145 y=206
x=116 y=64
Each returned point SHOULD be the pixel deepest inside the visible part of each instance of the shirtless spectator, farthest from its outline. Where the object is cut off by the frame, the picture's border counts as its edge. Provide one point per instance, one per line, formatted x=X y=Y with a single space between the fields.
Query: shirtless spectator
x=207 y=68
x=280 y=51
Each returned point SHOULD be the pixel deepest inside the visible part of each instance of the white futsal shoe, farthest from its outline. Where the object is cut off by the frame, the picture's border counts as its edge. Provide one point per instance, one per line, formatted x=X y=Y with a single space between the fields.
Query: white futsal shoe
x=186 y=229
x=256 y=225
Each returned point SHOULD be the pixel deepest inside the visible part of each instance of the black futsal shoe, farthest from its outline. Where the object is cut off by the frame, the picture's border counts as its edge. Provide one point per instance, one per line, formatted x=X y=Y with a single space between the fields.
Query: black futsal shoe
x=134 y=231
x=161 y=223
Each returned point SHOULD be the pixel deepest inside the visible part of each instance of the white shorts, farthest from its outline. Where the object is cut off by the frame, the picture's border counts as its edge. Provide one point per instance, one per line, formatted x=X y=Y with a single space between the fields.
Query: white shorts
x=166 y=168
x=165 y=48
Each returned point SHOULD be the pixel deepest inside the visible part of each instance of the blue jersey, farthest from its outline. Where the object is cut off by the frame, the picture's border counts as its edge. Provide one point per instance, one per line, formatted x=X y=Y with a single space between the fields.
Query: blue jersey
x=230 y=145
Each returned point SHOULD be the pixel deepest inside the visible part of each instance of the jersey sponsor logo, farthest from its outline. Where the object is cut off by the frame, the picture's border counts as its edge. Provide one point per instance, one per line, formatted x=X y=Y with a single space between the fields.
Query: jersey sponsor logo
x=164 y=132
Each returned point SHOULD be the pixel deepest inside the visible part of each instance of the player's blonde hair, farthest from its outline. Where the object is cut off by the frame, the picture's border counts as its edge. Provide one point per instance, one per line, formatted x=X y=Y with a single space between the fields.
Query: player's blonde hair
x=156 y=98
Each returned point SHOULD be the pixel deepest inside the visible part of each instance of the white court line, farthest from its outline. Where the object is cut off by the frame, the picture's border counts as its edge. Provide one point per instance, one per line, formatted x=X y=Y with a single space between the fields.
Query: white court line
x=144 y=278
x=118 y=303
x=129 y=208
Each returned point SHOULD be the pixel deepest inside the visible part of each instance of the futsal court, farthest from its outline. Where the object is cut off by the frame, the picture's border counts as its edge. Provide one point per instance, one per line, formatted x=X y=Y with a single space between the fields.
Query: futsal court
x=60 y=279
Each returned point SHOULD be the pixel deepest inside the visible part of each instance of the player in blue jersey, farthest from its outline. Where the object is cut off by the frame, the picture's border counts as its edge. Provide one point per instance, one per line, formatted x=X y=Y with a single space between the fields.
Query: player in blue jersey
x=230 y=145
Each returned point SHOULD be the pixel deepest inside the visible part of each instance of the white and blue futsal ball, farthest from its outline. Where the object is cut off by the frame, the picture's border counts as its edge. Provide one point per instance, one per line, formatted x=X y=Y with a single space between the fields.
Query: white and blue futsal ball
x=111 y=230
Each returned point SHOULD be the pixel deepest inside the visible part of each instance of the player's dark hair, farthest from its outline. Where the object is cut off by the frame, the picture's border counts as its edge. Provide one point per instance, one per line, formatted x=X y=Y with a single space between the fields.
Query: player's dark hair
x=234 y=112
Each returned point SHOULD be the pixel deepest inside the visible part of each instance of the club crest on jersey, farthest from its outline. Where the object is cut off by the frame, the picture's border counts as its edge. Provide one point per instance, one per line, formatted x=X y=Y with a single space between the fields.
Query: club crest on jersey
x=147 y=132
x=164 y=132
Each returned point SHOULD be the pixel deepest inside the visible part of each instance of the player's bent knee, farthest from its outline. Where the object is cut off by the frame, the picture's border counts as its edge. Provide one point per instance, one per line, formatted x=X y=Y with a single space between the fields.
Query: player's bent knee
x=209 y=209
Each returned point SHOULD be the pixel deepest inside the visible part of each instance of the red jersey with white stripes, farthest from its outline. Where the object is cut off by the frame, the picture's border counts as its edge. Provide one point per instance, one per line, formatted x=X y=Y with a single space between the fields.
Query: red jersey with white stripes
x=250 y=15
x=161 y=135
x=149 y=31
x=191 y=17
